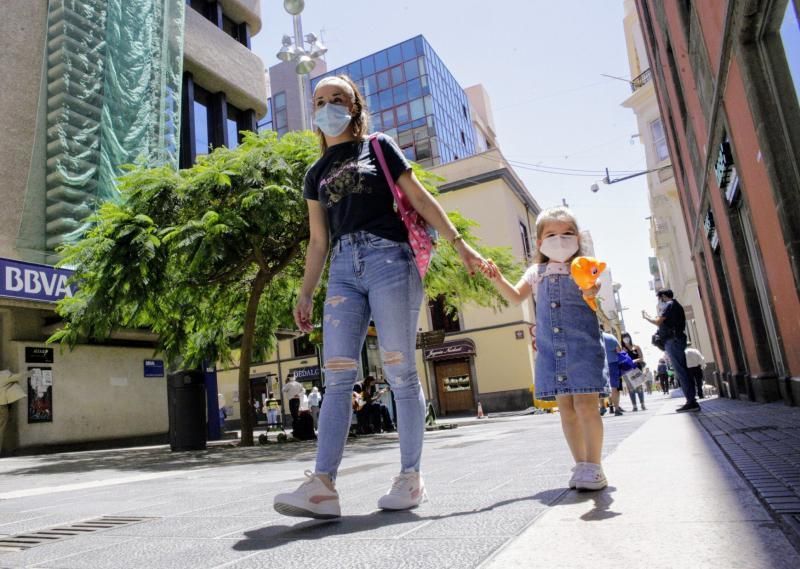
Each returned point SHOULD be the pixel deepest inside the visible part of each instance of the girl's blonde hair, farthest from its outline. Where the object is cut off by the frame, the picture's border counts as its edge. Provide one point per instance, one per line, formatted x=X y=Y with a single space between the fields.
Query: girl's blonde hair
x=359 y=124
x=559 y=213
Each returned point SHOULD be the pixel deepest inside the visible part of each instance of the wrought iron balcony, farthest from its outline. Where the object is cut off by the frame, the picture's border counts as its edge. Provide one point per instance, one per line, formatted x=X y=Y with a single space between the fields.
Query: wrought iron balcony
x=641 y=80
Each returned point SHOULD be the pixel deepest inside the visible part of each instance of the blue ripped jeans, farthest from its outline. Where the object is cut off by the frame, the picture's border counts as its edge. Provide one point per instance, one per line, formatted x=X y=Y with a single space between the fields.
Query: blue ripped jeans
x=370 y=278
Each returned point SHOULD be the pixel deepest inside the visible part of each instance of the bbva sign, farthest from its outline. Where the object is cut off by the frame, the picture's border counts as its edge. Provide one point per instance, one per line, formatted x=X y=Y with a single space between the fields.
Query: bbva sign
x=28 y=281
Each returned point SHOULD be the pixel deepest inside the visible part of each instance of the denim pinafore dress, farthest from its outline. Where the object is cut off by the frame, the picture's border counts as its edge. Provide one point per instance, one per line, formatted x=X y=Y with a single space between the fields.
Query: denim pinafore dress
x=571 y=356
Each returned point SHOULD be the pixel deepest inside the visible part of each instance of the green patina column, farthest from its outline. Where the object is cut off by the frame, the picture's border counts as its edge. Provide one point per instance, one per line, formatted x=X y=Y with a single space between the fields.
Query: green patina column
x=110 y=96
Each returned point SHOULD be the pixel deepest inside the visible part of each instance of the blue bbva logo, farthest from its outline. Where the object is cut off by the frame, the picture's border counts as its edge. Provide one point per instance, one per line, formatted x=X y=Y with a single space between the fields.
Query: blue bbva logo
x=33 y=282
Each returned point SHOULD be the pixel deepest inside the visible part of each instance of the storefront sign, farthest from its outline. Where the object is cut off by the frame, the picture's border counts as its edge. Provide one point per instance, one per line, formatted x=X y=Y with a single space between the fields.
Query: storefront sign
x=451 y=350
x=722 y=168
x=711 y=230
x=303 y=374
x=28 y=281
x=40 y=395
x=154 y=368
x=39 y=355
x=429 y=339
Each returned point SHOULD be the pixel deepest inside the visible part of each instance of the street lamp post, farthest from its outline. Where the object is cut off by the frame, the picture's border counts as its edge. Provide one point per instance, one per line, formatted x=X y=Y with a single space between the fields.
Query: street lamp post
x=294 y=50
x=607 y=180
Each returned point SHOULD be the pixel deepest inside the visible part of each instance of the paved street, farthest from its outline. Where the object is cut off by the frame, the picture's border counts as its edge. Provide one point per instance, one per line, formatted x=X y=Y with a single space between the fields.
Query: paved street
x=497 y=491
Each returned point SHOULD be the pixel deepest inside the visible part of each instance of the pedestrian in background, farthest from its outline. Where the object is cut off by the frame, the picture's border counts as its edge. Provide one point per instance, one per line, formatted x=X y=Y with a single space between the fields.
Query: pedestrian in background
x=636 y=354
x=372 y=275
x=314 y=401
x=273 y=411
x=672 y=329
x=648 y=381
x=614 y=374
x=294 y=392
x=696 y=363
x=571 y=364
x=662 y=376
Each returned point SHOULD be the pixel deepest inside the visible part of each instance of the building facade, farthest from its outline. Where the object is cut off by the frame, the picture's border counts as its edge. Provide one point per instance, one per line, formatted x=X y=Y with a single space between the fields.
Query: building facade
x=673 y=267
x=100 y=84
x=727 y=79
x=411 y=94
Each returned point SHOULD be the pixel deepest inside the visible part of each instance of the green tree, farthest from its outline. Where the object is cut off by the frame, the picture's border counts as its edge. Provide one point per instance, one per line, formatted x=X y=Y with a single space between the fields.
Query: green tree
x=210 y=258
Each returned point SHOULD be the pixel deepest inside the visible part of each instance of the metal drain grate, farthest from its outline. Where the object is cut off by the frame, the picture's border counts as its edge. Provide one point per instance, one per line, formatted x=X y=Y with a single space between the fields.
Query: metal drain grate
x=25 y=541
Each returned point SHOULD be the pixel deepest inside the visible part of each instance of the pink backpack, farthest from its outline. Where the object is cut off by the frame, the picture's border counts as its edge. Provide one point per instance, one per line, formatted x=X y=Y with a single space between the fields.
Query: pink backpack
x=419 y=232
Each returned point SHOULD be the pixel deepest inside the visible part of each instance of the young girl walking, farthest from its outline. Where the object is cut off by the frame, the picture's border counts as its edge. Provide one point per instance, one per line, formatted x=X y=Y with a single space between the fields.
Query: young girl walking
x=571 y=362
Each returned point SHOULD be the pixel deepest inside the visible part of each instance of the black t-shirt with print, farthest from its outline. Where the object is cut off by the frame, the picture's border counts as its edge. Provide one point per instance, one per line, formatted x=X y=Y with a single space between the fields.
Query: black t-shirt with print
x=349 y=182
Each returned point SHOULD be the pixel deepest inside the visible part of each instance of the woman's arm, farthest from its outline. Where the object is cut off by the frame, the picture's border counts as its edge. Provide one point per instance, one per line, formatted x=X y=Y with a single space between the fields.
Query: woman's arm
x=315 y=262
x=432 y=212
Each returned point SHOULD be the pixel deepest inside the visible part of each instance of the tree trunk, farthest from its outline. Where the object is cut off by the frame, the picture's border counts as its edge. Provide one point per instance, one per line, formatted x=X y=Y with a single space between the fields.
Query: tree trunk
x=245 y=358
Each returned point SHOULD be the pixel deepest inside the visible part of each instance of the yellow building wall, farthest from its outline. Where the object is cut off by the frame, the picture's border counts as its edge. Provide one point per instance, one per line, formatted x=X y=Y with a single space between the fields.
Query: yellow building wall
x=99 y=392
x=228 y=377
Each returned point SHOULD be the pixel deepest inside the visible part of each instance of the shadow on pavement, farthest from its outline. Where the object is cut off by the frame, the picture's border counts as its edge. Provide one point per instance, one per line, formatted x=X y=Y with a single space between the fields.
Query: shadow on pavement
x=161 y=459
x=273 y=536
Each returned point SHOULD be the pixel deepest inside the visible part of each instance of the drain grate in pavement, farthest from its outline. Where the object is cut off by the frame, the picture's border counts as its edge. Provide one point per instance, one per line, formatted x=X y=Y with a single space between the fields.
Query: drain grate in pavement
x=25 y=541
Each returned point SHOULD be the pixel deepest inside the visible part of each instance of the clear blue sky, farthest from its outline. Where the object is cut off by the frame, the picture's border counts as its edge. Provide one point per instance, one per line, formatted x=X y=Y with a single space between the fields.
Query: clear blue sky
x=541 y=62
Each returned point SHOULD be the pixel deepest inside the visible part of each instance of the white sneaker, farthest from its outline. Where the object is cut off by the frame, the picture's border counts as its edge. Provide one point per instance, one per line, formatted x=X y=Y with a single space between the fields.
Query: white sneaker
x=407 y=491
x=311 y=500
x=592 y=477
x=577 y=471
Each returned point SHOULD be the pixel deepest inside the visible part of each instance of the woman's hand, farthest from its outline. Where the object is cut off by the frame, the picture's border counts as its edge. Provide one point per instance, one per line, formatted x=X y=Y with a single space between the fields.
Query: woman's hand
x=302 y=313
x=473 y=261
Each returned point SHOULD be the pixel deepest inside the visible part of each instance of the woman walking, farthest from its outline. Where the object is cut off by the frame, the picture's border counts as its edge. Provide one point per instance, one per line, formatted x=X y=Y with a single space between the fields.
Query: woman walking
x=636 y=354
x=373 y=276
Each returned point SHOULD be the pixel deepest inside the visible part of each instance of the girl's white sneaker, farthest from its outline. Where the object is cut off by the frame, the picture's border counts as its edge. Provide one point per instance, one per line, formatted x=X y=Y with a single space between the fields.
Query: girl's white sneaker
x=592 y=477
x=577 y=471
x=313 y=499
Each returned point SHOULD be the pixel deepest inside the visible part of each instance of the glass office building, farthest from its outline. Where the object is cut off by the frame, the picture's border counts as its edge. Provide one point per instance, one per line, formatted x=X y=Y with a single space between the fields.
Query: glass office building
x=415 y=99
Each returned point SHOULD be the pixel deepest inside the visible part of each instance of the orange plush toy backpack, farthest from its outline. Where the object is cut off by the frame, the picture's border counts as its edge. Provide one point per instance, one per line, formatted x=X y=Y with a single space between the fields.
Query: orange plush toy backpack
x=585 y=271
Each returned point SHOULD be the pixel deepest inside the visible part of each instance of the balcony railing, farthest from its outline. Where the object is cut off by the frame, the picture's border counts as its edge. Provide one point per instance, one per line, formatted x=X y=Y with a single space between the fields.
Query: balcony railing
x=641 y=80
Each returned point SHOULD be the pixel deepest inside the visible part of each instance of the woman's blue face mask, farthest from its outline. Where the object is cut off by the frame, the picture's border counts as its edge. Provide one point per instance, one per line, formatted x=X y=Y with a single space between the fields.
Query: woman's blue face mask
x=332 y=119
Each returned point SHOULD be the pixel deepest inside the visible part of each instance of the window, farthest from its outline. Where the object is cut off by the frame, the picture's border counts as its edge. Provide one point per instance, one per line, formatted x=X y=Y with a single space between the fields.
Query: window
x=280 y=113
x=790 y=40
x=381 y=60
x=659 y=140
x=397 y=75
x=408 y=49
x=441 y=319
x=202 y=121
x=395 y=55
x=383 y=80
x=232 y=126
x=526 y=242
x=368 y=65
x=302 y=346
x=411 y=69
x=212 y=11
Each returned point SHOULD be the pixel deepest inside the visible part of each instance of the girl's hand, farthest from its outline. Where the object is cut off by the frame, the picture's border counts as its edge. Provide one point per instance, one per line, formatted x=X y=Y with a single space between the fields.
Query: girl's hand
x=471 y=259
x=533 y=336
x=591 y=292
x=494 y=273
x=302 y=313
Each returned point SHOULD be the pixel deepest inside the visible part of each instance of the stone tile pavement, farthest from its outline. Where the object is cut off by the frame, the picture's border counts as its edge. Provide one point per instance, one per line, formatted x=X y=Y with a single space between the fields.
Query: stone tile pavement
x=762 y=441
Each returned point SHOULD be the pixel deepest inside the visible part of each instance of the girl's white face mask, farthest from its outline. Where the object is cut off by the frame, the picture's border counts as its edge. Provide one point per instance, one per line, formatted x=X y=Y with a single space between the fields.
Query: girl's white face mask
x=559 y=248
x=332 y=119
